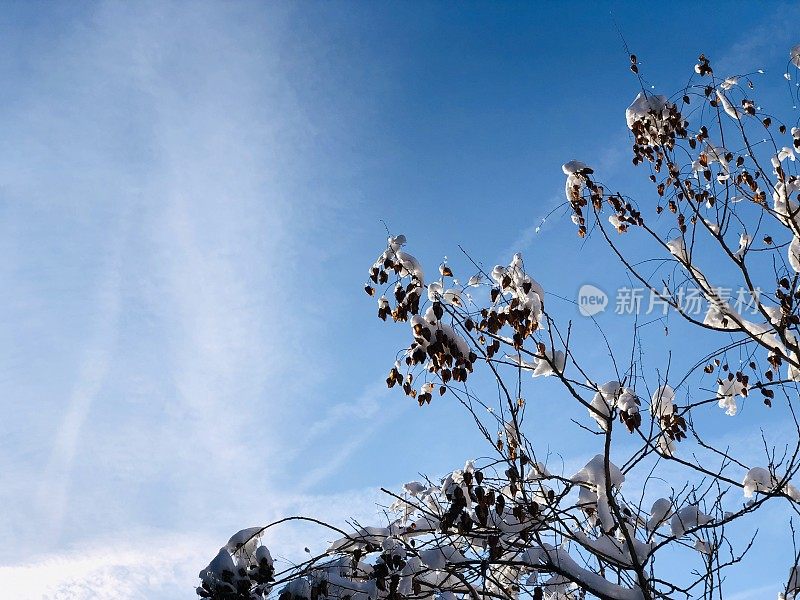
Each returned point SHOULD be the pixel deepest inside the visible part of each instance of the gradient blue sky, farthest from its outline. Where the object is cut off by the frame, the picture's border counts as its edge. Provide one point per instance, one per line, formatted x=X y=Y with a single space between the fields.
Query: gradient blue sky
x=190 y=196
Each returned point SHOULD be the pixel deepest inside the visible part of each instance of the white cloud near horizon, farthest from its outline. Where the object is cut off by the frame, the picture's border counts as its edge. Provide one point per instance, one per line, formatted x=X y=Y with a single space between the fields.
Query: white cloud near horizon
x=133 y=571
x=147 y=564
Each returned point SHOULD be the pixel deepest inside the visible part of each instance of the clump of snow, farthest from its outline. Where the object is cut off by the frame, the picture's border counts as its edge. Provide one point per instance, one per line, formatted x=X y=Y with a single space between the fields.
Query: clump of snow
x=439 y=346
x=415 y=487
x=677 y=248
x=793 y=583
x=397 y=242
x=593 y=477
x=560 y=587
x=523 y=292
x=511 y=433
x=298 y=589
x=730 y=109
x=545 y=367
x=758 y=479
x=628 y=405
x=244 y=541
x=537 y=471
x=410 y=266
x=602 y=402
x=786 y=208
x=782 y=155
x=710 y=155
x=403 y=262
x=587 y=502
x=644 y=107
x=435 y=291
x=441 y=556
x=720 y=313
x=263 y=554
x=366 y=535
x=220 y=564
x=794 y=254
x=702 y=546
x=542 y=365
x=744 y=243
x=610 y=395
x=687 y=518
x=574 y=166
x=727 y=390
x=662 y=408
x=576 y=173
x=654 y=120
x=615 y=549
x=659 y=513
x=452 y=296
x=594 y=473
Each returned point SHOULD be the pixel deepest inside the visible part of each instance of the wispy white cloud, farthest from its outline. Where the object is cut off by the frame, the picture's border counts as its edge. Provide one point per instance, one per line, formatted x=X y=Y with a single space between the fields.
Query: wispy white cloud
x=364 y=407
x=54 y=484
x=353 y=423
x=548 y=215
x=170 y=122
x=326 y=440
x=760 y=42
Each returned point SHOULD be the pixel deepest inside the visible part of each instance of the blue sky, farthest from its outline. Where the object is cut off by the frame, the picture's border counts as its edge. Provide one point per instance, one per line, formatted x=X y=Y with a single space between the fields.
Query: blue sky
x=190 y=196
